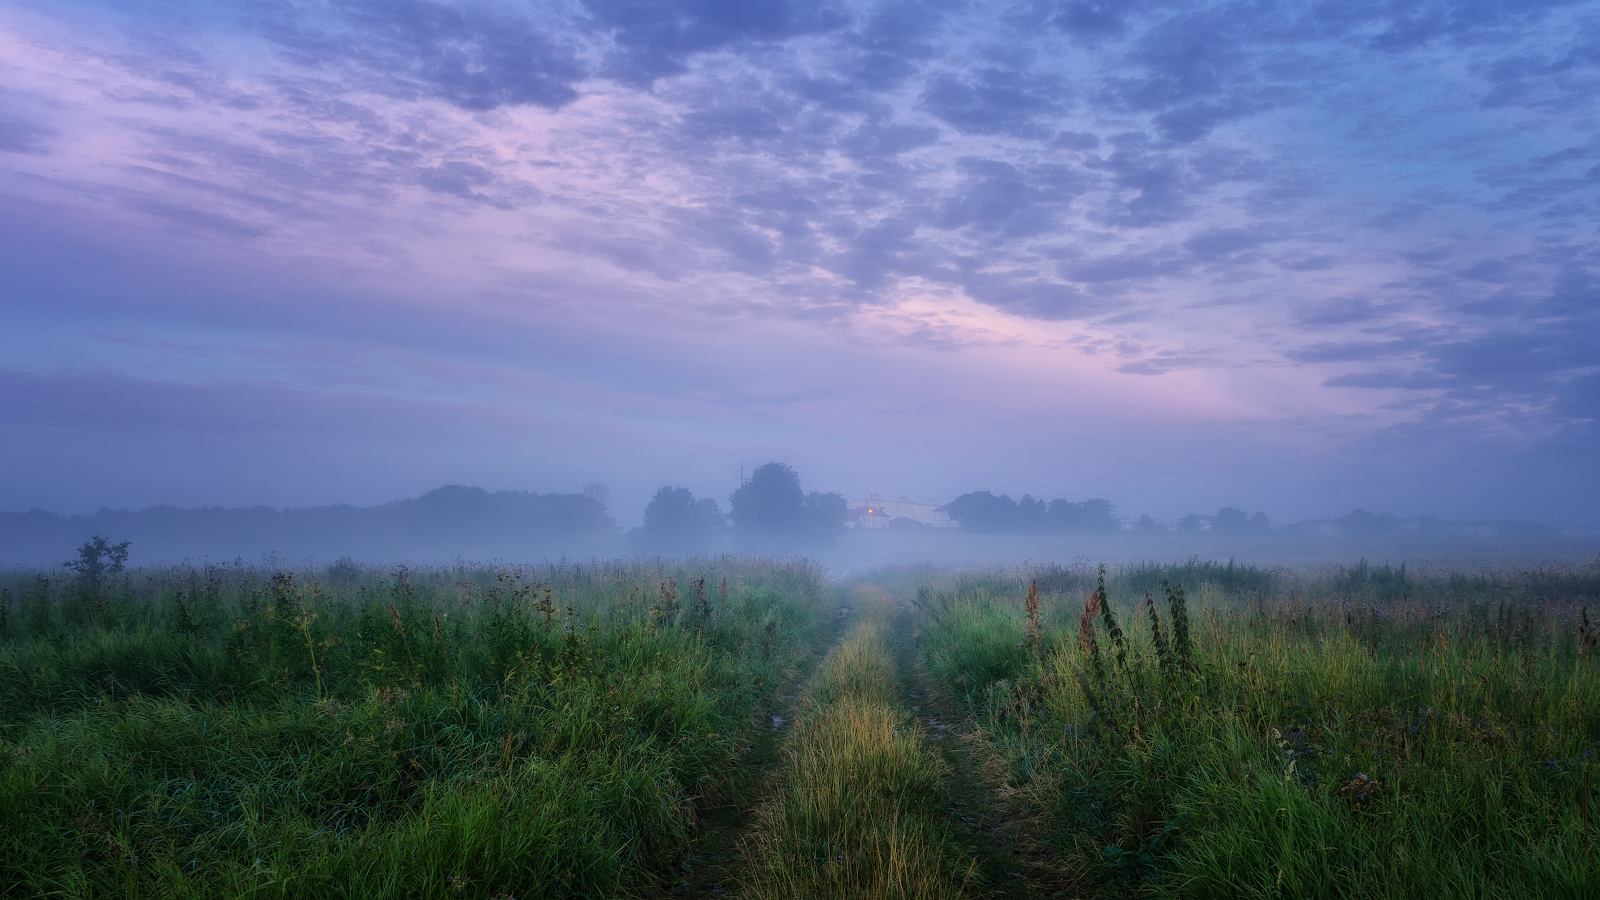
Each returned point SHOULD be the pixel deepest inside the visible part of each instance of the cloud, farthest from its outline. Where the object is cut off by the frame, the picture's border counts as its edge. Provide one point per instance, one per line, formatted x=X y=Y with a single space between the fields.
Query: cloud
x=1579 y=398
x=1413 y=381
x=1000 y=198
x=1255 y=201
x=1338 y=311
x=1153 y=184
x=1545 y=362
x=655 y=38
x=1033 y=297
x=19 y=134
x=1347 y=352
x=996 y=101
x=875 y=141
x=1090 y=21
x=1161 y=365
x=1220 y=243
x=476 y=183
x=1123 y=267
x=475 y=55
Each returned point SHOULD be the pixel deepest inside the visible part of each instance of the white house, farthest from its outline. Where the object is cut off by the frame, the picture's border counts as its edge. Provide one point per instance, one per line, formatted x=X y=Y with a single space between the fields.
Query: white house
x=876 y=512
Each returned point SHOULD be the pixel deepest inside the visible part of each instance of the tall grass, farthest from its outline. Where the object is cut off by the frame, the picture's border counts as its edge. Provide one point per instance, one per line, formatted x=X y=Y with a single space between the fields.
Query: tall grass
x=856 y=814
x=1317 y=743
x=1363 y=581
x=467 y=732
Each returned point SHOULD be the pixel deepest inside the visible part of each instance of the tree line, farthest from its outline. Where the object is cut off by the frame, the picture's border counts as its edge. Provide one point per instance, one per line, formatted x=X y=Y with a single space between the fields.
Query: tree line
x=440 y=525
x=982 y=511
x=769 y=511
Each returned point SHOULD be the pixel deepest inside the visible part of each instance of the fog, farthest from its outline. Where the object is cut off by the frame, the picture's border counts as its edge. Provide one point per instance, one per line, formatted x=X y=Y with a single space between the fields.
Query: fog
x=769 y=515
x=859 y=554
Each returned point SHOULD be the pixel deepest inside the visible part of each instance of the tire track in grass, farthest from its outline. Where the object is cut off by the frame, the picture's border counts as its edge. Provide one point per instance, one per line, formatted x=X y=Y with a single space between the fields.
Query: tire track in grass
x=858 y=808
x=712 y=866
x=1011 y=860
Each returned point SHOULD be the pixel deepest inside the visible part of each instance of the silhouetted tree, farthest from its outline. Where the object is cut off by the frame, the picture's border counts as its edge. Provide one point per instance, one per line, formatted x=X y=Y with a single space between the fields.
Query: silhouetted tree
x=1147 y=525
x=770 y=504
x=1093 y=515
x=1032 y=516
x=825 y=515
x=982 y=511
x=770 y=509
x=675 y=522
x=1234 y=522
x=1360 y=523
x=440 y=525
x=1230 y=521
x=97 y=558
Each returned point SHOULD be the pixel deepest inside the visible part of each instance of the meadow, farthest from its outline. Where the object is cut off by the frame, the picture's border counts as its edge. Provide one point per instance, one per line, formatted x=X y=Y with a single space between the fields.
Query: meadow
x=465 y=732
x=1205 y=730
x=744 y=727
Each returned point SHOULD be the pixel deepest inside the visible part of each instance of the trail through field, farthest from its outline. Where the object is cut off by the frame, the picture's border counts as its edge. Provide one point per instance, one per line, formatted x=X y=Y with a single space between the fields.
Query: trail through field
x=1011 y=859
x=857 y=808
x=711 y=868
x=972 y=848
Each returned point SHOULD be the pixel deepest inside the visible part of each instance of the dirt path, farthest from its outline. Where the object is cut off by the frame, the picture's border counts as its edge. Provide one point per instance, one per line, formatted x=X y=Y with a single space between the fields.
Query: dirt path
x=1009 y=864
x=711 y=867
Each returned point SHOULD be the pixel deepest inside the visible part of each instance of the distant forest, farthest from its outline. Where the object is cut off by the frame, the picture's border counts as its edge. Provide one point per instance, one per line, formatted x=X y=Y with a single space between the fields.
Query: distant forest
x=769 y=512
x=982 y=511
x=441 y=524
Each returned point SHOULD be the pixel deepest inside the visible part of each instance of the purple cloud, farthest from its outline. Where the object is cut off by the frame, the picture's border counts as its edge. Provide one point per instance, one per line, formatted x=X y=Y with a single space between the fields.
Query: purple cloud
x=1323 y=225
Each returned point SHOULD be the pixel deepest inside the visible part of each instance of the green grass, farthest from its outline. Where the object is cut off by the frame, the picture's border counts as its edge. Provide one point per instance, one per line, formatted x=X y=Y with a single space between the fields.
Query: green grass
x=1321 y=745
x=857 y=809
x=1371 y=730
x=473 y=732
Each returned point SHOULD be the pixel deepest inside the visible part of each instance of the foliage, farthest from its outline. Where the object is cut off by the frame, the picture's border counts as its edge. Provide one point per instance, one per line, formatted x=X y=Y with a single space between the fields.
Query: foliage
x=676 y=523
x=462 y=732
x=770 y=510
x=98 y=558
x=1360 y=523
x=1295 y=743
x=1231 y=578
x=981 y=511
x=439 y=525
x=1232 y=521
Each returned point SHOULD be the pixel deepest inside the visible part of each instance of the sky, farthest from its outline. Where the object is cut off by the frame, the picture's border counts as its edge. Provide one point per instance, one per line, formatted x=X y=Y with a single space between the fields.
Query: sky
x=1292 y=257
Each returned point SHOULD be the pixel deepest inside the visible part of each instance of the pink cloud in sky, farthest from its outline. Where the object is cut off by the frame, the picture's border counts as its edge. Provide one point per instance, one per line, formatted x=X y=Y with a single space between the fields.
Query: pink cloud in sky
x=1081 y=271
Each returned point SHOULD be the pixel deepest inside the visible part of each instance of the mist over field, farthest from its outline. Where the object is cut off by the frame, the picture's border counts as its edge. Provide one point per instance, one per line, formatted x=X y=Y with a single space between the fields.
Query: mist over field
x=769 y=515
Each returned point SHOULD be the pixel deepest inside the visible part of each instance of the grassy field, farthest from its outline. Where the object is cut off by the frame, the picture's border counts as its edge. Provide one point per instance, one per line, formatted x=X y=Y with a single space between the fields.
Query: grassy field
x=624 y=729
x=1363 y=732
x=445 y=733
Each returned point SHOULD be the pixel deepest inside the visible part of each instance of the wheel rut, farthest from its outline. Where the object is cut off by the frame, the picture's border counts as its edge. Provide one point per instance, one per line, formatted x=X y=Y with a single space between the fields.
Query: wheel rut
x=1010 y=861
x=711 y=867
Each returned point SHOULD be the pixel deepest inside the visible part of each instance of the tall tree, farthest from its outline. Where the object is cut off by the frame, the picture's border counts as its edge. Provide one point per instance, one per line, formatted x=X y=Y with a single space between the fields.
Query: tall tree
x=825 y=515
x=675 y=522
x=771 y=510
x=769 y=507
x=1230 y=520
x=98 y=558
x=982 y=511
